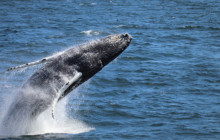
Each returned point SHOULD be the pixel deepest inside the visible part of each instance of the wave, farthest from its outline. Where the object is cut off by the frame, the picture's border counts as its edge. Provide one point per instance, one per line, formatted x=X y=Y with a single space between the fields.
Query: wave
x=190 y=27
x=91 y=33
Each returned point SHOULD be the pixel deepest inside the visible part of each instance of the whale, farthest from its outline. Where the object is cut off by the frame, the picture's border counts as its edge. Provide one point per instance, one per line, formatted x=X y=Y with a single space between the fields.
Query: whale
x=60 y=74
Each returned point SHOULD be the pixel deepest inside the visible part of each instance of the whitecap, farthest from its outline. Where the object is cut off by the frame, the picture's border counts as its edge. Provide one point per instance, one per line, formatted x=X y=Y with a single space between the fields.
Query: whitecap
x=90 y=33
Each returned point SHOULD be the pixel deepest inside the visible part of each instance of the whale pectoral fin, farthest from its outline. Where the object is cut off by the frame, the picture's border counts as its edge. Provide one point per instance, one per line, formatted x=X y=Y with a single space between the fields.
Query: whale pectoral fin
x=64 y=88
x=47 y=59
x=31 y=63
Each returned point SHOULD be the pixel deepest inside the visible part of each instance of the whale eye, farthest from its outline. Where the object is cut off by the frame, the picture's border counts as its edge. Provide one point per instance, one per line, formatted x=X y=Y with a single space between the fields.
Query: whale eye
x=100 y=63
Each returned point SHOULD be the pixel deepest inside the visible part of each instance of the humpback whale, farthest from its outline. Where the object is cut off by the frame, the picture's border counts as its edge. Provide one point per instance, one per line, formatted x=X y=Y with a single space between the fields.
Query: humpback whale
x=61 y=74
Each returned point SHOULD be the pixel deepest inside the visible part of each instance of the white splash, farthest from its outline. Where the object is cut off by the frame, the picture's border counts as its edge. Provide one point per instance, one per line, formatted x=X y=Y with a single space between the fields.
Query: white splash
x=44 y=123
x=61 y=124
x=120 y=26
x=90 y=32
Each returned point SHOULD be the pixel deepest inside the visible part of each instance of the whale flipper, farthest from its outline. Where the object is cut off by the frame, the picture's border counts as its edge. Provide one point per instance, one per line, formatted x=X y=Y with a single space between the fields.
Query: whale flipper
x=46 y=59
x=28 y=64
x=64 y=88
x=31 y=63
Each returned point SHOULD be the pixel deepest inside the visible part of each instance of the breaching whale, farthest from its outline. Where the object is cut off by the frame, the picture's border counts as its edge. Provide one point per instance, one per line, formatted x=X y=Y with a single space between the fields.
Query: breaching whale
x=59 y=76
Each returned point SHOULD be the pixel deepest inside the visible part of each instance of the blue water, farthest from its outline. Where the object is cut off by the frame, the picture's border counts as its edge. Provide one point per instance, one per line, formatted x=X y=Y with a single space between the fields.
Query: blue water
x=166 y=85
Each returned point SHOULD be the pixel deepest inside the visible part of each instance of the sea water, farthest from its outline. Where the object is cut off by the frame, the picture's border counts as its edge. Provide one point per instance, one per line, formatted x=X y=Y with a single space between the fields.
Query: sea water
x=166 y=85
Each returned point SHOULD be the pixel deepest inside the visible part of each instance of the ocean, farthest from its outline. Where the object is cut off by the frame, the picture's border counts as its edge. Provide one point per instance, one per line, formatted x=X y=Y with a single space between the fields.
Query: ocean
x=165 y=85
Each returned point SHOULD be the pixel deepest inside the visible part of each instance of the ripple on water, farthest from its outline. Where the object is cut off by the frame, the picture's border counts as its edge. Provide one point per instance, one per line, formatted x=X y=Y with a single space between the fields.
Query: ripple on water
x=165 y=85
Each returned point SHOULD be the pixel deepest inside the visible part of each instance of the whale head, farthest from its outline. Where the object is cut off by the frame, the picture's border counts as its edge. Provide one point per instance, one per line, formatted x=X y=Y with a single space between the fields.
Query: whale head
x=112 y=46
x=91 y=57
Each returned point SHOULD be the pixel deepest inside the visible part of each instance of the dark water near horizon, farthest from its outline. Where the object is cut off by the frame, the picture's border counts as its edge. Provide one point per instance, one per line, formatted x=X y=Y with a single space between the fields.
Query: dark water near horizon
x=166 y=85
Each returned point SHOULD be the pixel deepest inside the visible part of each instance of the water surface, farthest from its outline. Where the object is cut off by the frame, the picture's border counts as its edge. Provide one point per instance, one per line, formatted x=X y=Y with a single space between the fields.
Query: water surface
x=164 y=86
